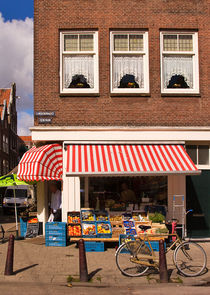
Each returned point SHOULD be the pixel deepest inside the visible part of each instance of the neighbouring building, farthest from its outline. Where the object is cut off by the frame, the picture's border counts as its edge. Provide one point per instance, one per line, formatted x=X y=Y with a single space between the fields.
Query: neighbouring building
x=27 y=141
x=123 y=87
x=9 y=140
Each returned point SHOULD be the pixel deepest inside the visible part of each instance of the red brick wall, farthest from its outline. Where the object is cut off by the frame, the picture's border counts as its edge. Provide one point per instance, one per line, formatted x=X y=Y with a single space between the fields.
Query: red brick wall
x=52 y=15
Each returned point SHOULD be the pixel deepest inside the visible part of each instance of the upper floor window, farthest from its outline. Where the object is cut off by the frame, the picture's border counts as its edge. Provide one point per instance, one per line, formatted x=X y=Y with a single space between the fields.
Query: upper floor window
x=129 y=62
x=79 y=62
x=5 y=144
x=179 y=62
x=200 y=154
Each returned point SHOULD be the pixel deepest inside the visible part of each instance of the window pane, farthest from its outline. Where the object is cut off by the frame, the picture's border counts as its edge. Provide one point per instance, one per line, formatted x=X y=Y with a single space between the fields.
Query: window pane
x=203 y=154
x=86 y=42
x=136 y=43
x=178 y=71
x=121 y=42
x=170 y=43
x=71 y=43
x=78 y=71
x=192 y=152
x=128 y=71
x=185 y=43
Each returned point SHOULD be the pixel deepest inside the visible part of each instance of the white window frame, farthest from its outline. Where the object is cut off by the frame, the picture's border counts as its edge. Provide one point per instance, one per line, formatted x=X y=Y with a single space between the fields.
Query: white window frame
x=93 y=53
x=144 y=53
x=194 y=54
x=200 y=166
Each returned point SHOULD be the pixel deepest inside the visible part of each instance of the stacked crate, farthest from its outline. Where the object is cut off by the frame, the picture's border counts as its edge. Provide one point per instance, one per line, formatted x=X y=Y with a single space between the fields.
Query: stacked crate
x=55 y=234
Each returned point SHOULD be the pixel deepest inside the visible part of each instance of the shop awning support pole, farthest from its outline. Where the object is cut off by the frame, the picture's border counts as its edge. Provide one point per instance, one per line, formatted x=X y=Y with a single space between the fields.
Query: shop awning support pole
x=86 y=192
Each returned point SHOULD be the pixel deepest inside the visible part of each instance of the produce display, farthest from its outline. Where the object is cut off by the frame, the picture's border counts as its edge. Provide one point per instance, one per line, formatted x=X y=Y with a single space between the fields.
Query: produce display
x=103 y=228
x=128 y=224
x=115 y=218
x=74 y=230
x=88 y=229
x=88 y=215
x=74 y=219
x=102 y=216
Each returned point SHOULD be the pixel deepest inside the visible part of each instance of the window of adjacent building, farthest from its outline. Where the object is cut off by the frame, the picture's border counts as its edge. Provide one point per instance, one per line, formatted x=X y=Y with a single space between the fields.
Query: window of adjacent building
x=129 y=62
x=79 y=62
x=179 y=62
x=199 y=154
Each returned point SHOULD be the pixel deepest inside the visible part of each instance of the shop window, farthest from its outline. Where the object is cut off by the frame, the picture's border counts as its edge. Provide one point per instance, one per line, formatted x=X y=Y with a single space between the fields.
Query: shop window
x=199 y=154
x=129 y=62
x=179 y=63
x=79 y=62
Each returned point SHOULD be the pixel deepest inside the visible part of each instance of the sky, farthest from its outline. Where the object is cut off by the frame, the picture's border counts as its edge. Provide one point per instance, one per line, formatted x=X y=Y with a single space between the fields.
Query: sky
x=16 y=56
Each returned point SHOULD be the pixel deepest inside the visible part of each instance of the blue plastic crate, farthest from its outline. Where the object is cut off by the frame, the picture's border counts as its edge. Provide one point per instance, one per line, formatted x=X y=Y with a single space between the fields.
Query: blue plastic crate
x=86 y=212
x=23 y=227
x=55 y=226
x=55 y=243
x=130 y=231
x=102 y=216
x=121 y=237
x=94 y=246
x=91 y=235
x=108 y=235
x=155 y=245
x=55 y=238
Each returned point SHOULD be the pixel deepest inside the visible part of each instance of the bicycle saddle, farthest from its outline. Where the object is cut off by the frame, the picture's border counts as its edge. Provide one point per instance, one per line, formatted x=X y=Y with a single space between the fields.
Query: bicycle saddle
x=144 y=227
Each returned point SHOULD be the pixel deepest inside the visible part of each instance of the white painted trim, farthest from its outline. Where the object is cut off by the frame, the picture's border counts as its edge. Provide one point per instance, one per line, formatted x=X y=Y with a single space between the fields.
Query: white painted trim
x=94 y=53
x=121 y=134
x=194 y=55
x=144 y=53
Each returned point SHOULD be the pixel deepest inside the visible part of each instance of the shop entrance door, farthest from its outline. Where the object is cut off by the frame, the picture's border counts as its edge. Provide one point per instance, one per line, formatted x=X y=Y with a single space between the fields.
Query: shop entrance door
x=198 y=199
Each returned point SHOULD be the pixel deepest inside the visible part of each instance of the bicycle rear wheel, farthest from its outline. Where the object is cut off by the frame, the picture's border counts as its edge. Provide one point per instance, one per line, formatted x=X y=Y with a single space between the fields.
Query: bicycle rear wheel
x=190 y=259
x=128 y=251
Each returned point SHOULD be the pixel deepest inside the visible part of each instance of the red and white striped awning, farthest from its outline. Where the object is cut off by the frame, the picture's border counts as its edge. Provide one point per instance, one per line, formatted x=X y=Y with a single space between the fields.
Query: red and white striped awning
x=128 y=159
x=43 y=163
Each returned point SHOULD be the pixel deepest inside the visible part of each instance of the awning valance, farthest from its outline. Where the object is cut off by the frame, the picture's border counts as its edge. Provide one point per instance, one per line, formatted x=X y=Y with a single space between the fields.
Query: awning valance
x=102 y=159
x=42 y=163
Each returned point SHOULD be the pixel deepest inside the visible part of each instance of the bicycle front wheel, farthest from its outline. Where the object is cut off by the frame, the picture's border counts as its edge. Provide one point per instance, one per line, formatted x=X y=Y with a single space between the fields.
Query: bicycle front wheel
x=127 y=258
x=190 y=259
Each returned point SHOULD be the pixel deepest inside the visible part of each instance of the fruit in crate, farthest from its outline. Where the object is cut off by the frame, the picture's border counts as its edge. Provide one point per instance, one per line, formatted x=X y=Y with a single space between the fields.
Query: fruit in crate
x=89 y=229
x=103 y=228
x=73 y=219
x=116 y=218
x=102 y=217
x=74 y=230
x=87 y=216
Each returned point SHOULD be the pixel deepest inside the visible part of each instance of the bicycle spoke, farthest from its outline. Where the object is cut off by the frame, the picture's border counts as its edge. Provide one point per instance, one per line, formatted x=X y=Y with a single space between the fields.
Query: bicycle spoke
x=190 y=259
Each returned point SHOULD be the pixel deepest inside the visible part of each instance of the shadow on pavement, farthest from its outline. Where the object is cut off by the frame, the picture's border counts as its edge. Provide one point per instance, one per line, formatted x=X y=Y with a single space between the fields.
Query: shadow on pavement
x=91 y=275
x=24 y=268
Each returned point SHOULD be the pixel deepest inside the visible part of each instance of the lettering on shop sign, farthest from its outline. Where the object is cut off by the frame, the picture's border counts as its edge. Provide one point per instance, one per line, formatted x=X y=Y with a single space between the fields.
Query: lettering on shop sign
x=44 y=120
x=32 y=230
x=45 y=113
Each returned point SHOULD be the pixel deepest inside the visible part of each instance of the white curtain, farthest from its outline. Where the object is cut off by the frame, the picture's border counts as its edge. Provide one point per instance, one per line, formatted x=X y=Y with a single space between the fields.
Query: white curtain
x=128 y=64
x=78 y=65
x=178 y=65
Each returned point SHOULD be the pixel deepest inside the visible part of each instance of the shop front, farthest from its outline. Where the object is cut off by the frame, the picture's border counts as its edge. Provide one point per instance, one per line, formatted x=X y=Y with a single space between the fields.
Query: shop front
x=112 y=187
x=121 y=182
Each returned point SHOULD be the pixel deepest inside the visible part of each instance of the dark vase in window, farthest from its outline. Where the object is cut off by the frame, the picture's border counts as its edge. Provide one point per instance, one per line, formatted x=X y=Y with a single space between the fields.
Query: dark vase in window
x=79 y=81
x=177 y=81
x=128 y=81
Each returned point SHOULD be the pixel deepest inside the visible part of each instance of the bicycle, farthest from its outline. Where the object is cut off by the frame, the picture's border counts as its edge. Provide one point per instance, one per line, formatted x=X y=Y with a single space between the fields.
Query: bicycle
x=2 y=232
x=134 y=258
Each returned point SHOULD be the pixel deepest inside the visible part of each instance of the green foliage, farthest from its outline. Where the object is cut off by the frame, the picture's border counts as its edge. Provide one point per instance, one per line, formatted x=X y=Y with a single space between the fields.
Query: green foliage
x=157 y=217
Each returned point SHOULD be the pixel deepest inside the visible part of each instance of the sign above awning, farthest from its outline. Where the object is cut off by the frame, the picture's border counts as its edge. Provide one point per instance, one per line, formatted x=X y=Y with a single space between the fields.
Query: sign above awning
x=42 y=163
x=102 y=159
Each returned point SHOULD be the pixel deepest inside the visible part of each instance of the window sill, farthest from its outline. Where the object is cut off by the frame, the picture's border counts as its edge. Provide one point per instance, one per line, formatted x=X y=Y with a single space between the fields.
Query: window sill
x=89 y=94
x=130 y=94
x=180 y=94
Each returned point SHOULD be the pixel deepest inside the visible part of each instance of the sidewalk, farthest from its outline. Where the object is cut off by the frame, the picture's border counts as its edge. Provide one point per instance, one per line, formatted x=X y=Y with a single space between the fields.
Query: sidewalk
x=37 y=263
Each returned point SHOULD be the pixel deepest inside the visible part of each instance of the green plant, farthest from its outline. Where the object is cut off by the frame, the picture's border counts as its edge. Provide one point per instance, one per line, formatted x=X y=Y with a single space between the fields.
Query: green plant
x=157 y=217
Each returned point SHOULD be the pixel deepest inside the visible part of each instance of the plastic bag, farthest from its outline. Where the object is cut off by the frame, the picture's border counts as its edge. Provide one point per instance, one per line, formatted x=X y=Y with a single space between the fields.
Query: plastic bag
x=51 y=218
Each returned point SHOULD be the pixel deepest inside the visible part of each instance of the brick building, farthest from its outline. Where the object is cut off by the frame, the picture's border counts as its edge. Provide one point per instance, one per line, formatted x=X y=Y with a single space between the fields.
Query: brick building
x=9 y=140
x=27 y=141
x=125 y=72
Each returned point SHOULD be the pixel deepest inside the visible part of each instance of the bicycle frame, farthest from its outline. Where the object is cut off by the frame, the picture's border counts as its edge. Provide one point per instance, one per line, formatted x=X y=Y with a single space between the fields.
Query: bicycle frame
x=153 y=260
